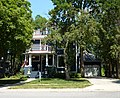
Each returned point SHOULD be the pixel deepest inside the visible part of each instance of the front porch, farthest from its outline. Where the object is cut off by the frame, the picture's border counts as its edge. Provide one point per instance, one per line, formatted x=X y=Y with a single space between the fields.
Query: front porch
x=38 y=63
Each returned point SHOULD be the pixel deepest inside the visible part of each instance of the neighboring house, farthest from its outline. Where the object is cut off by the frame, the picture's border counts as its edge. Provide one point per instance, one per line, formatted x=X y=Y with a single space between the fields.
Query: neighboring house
x=92 y=66
x=42 y=58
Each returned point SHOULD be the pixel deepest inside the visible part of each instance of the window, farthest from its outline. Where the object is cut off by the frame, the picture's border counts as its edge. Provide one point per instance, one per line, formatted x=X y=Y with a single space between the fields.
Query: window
x=61 y=61
x=35 y=57
x=36 y=42
x=50 y=59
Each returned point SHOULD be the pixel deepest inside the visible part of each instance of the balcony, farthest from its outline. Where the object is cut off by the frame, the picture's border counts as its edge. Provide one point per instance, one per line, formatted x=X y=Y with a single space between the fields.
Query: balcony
x=37 y=47
x=38 y=32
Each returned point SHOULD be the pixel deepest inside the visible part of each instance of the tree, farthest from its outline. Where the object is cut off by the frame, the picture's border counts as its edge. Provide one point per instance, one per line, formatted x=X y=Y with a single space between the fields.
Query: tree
x=85 y=33
x=112 y=28
x=15 y=27
x=63 y=41
x=108 y=14
x=40 y=23
x=64 y=15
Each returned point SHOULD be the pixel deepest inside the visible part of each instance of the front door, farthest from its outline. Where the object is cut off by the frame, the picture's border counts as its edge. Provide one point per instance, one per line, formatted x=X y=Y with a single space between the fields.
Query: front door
x=42 y=63
x=38 y=63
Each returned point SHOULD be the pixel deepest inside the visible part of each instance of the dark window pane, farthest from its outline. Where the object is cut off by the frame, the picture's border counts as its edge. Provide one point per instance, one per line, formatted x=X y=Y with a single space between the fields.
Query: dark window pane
x=36 y=42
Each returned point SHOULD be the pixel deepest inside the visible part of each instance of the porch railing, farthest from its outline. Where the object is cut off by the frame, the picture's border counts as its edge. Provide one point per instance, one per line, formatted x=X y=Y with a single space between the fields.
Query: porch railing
x=37 y=47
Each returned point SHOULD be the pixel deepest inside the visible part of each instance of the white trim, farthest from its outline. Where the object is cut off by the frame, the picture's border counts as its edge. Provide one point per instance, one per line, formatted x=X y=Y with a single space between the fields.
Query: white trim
x=53 y=63
x=30 y=59
x=46 y=59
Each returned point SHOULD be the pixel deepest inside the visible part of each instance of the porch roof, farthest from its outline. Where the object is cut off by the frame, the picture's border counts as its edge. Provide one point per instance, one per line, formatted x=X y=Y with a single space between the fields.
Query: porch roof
x=40 y=52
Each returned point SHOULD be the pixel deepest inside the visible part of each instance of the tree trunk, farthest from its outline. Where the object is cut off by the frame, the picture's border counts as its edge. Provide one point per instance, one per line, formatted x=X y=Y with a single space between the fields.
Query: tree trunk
x=117 y=76
x=67 y=75
x=13 y=67
x=110 y=69
x=118 y=68
x=113 y=71
x=81 y=62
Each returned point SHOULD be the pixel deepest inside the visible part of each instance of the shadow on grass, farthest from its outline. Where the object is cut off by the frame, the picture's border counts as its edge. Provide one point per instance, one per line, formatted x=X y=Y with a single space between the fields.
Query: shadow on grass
x=72 y=79
x=9 y=81
x=77 y=80
x=46 y=79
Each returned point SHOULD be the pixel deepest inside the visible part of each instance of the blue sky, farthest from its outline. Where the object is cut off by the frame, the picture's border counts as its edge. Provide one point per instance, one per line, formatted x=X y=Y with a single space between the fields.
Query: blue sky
x=40 y=7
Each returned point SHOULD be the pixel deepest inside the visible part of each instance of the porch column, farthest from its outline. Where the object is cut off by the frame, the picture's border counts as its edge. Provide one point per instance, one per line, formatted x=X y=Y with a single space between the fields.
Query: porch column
x=53 y=60
x=46 y=59
x=57 y=61
x=30 y=60
x=40 y=45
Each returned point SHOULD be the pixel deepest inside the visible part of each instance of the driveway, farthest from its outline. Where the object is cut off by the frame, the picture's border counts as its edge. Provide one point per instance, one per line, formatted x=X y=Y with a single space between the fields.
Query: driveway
x=103 y=84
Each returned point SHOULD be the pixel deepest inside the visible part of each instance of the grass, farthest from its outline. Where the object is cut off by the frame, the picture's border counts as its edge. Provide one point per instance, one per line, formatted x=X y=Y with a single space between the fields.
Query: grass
x=54 y=83
x=13 y=79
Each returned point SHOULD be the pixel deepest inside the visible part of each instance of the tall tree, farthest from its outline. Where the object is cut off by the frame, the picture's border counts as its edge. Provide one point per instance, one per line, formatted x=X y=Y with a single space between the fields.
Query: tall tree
x=108 y=14
x=64 y=15
x=85 y=33
x=15 y=26
x=63 y=41
x=111 y=25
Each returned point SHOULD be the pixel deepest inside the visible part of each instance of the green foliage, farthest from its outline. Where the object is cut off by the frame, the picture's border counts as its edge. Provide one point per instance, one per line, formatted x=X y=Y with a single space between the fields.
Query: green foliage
x=75 y=75
x=108 y=15
x=40 y=23
x=60 y=75
x=65 y=11
x=85 y=30
x=109 y=36
x=15 y=26
x=73 y=24
x=102 y=71
x=93 y=24
x=19 y=76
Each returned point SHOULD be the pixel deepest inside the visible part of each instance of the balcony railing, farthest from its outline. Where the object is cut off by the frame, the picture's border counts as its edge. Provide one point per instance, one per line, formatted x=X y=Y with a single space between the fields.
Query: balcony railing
x=37 y=47
x=38 y=32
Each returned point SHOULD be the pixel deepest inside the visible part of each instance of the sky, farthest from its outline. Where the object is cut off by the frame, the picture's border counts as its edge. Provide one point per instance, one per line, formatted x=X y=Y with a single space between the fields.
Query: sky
x=41 y=7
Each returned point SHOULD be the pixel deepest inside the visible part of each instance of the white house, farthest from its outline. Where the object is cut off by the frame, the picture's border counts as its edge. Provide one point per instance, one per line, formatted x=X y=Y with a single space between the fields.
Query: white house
x=39 y=56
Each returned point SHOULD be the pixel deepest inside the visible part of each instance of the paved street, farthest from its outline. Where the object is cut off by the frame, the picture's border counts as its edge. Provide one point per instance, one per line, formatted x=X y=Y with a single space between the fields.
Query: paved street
x=57 y=94
x=101 y=88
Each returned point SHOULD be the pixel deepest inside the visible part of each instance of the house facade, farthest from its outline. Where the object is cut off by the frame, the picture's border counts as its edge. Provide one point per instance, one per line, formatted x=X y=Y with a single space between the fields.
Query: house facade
x=42 y=58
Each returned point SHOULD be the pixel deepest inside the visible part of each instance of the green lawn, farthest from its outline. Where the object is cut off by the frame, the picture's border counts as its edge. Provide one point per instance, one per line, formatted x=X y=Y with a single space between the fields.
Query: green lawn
x=54 y=83
x=13 y=79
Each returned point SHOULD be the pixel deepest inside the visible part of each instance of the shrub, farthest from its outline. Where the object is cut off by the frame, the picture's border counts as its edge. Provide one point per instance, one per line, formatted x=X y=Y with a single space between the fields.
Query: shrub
x=75 y=75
